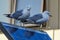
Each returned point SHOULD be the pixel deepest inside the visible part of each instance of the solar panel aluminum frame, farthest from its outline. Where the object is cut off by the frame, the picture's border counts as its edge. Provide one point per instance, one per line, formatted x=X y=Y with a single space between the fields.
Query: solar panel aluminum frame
x=5 y=32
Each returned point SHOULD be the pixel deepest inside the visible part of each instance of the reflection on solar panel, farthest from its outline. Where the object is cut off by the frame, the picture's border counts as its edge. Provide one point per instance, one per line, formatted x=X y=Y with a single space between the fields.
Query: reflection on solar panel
x=14 y=32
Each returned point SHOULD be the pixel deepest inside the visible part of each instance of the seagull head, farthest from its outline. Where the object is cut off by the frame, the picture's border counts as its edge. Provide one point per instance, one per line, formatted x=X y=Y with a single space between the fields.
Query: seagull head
x=28 y=7
x=48 y=13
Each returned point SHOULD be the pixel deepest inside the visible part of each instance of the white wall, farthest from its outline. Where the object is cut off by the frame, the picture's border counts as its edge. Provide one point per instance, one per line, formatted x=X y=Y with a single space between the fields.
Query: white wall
x=54 y=34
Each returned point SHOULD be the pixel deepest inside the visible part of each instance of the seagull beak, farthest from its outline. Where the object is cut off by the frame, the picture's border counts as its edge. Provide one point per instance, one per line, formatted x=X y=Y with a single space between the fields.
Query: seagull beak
x=29 y=9
x=50 y=15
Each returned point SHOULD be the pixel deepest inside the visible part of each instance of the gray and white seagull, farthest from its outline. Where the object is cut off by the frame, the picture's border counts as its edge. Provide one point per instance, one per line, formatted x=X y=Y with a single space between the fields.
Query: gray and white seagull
x=21 y=14
x=39 y=18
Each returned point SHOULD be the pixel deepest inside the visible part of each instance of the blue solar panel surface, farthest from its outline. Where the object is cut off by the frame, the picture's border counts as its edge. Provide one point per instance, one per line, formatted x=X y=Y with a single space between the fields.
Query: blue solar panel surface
x=21 y=33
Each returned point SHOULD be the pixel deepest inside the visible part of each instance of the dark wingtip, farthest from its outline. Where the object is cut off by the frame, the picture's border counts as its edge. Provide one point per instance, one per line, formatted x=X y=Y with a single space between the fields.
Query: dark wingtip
x=7 y=15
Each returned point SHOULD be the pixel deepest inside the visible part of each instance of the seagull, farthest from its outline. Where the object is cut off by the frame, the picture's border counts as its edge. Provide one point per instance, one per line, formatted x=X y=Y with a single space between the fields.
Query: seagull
x=26 y=14
x=21 y=14
x=39 y=18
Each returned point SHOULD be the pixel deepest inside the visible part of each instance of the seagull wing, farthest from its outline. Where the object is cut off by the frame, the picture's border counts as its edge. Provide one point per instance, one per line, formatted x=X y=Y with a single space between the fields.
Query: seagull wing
x=44 y=19
x=35 y=18
x=17 y=14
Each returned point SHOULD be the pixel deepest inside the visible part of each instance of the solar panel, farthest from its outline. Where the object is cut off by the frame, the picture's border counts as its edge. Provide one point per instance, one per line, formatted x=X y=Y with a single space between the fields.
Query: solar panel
x=13 y=32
